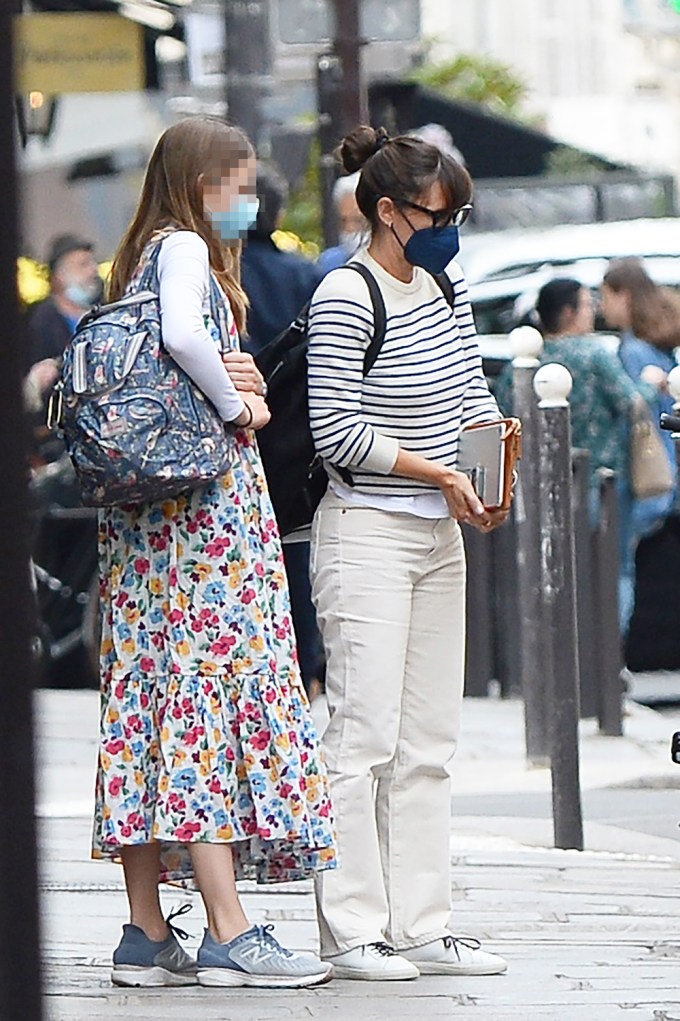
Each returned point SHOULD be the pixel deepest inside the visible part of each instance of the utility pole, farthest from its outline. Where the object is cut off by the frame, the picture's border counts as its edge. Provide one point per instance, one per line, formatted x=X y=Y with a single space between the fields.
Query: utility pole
x=342 y=100
x=248 y=64
x=20 y=979
x=347 y=44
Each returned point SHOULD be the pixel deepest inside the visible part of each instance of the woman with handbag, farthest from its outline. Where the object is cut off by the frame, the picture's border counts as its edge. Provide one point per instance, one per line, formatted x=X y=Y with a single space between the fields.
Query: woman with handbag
x=648 y=317
x=388 y=564
x=209 y=767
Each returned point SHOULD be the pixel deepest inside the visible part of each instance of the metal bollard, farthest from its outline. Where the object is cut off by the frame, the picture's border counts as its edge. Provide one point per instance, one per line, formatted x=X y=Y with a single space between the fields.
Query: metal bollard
x=552 y=384
x=610 y=659
x=584 y=542
x=526 y=344
x=506 y=610
x=479 y=665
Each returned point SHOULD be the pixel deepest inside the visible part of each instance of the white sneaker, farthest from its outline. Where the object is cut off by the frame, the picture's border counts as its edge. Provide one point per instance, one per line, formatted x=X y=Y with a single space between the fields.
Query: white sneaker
x=455 y=955
x=372 y=962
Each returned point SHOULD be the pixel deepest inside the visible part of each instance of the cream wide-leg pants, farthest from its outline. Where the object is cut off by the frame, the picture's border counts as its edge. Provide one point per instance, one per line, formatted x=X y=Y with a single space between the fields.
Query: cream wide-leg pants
x=389 y=591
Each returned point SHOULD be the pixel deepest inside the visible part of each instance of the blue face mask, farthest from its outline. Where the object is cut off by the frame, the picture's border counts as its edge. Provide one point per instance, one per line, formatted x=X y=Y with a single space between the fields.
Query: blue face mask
x=81 y=294
x=234 y=223
x=432 y=248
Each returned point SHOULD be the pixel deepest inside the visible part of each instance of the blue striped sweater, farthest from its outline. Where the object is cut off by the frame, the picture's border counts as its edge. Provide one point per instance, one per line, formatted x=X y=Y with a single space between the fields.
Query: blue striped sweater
x=426 y=384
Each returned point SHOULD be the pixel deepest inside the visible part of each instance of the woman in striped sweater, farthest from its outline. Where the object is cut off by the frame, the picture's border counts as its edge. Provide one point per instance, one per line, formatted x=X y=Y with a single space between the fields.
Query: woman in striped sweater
x=388 y=562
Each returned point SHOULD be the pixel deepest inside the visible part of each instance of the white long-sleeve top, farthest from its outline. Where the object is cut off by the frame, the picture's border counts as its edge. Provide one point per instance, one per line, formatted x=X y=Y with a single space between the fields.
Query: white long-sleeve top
x=184 y=297
x=426 y=385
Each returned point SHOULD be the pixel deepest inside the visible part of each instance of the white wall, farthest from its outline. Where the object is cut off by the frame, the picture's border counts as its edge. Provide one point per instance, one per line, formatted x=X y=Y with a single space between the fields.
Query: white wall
x=588 y=75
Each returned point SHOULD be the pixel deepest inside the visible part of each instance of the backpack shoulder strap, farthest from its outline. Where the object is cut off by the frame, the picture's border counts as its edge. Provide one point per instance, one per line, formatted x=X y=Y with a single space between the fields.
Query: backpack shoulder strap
x=379 y=314
x=443 y=281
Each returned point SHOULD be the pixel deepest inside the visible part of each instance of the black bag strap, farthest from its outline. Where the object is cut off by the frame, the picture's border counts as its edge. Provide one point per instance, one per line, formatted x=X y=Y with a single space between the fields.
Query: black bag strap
x=446 y=287
x=442 y=280
x=379 y=314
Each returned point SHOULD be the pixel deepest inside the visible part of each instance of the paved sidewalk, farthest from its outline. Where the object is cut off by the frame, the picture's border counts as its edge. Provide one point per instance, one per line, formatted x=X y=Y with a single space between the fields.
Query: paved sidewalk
x=590 y=936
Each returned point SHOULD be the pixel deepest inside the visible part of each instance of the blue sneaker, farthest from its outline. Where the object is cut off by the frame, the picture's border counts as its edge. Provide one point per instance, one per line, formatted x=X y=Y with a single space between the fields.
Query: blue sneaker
x=140 y=961
x=255 y=958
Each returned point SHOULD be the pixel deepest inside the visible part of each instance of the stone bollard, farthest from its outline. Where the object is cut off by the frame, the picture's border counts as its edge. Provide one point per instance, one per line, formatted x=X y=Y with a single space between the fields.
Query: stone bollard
x=526 y=344
x=552 y=384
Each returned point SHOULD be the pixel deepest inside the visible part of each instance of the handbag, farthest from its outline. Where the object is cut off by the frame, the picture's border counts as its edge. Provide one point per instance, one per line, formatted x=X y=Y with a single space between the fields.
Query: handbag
x=651 y=471
x=489 y=454
x=135 y=425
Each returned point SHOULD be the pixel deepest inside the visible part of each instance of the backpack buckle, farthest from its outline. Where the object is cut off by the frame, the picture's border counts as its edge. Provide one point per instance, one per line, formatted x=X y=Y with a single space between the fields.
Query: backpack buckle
x=55 y=408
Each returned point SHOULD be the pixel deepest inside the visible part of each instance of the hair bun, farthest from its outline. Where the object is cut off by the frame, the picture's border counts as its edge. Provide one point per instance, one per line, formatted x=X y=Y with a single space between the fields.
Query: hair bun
x=358 y=147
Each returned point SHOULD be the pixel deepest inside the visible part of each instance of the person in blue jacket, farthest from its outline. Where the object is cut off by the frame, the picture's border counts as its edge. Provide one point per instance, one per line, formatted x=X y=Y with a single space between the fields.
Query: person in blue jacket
x=648 y=318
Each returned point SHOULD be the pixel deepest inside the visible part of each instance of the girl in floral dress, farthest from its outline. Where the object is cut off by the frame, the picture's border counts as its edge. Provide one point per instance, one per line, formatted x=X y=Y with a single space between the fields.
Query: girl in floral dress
x=209 y=767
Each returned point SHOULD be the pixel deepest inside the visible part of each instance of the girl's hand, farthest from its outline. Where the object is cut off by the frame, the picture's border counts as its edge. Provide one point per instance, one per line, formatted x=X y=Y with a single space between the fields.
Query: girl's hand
x=260 y=413
x=244 y=373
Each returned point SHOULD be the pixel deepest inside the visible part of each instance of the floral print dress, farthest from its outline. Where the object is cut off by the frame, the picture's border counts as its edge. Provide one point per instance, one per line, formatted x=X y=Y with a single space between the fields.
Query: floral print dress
x=205 y=728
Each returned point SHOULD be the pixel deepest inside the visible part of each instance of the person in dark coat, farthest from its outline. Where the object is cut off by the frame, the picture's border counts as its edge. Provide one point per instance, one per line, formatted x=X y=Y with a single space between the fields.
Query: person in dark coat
x=278 y=285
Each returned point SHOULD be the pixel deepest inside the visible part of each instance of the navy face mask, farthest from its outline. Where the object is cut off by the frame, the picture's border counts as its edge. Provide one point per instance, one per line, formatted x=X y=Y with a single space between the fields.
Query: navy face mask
x=432 y=248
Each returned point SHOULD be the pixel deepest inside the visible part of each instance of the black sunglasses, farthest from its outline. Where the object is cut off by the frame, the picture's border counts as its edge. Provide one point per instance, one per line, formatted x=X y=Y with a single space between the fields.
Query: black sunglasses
x=442 y=217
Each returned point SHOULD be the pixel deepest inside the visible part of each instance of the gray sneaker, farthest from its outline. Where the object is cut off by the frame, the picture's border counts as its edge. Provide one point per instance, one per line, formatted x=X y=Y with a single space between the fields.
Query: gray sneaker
x=255 y=958
x=140 y=961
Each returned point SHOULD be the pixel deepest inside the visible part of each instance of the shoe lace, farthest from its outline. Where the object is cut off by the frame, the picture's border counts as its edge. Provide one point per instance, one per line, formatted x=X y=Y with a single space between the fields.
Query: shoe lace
x=384 y=949
x=452 y=942
x=175 y=929
x=269 y=942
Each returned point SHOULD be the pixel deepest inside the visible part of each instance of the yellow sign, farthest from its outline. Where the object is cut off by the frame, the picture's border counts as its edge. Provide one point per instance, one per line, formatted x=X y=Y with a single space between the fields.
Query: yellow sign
x=56 y=53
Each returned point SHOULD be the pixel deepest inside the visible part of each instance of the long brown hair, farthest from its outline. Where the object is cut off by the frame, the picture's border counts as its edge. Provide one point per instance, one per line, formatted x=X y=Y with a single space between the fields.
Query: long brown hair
x=172 y=196
x=654 y=310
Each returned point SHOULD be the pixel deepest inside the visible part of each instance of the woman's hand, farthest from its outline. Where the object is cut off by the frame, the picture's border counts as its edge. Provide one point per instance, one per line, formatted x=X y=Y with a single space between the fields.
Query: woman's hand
x=461 y=499
x=244 y=373
x=465 y=505
x=492 y=519
x=655 y=376
x=256 y=414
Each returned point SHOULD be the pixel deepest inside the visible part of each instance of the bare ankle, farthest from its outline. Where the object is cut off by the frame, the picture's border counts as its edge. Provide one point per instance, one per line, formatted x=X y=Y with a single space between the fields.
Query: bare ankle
x=225 y=931
x=155 y=929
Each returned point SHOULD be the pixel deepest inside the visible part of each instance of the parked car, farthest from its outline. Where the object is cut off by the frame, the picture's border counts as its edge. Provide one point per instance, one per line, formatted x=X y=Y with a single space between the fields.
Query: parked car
x=503 y=254
x=506 y=270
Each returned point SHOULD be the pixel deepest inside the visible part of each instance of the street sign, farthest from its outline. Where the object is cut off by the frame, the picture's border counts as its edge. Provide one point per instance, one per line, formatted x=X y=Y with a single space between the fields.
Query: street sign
x=205 y=39
x=57 y=53
x=311 y=21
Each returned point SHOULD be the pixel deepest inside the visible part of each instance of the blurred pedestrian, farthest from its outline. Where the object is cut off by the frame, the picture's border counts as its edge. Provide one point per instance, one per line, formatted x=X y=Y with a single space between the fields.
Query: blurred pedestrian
x=75 y=285
x=388 y=563
x=353 y=228
x=278 y=284
x=209 y=766
x=648 y=319
x=601 y=402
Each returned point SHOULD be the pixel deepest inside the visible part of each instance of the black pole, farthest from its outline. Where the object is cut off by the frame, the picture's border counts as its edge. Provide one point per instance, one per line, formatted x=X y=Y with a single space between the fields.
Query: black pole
x=609 y=659
x=328 y=83
x=479 y=666
x=588 y=636
x=248 y=64
x=20 y=978
x=559 y=601
x=347 y=45
x=529 y=590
